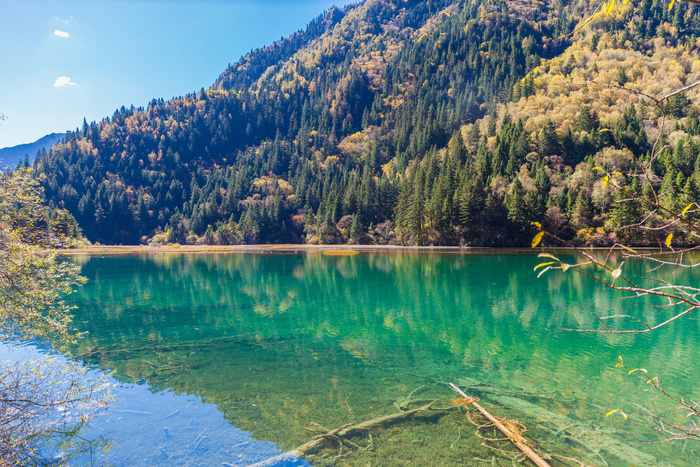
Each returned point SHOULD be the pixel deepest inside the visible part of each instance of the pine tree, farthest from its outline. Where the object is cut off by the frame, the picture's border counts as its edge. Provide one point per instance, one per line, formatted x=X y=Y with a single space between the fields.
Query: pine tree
x=549 y=144
x=471 y=209
x=582 y=215
x=624 y=213
x=520 y=216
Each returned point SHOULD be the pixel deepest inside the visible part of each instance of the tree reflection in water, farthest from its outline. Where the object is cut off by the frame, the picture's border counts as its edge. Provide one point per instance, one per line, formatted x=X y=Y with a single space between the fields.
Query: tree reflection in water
x=280 y=341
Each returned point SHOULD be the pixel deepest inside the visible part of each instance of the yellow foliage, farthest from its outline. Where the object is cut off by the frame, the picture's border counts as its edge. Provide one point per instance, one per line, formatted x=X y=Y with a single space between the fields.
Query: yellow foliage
x=389 y=167
x=329 y=161
x=358 y=143
x=658 y=70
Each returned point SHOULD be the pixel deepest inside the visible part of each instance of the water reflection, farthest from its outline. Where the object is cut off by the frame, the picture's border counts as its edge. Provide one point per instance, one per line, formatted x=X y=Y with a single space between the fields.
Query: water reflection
x=280 y=341
x=147 y=427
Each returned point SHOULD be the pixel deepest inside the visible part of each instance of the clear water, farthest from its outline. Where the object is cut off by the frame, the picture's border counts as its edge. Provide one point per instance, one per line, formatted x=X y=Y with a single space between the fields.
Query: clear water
x=277 y=342
x=147 y=427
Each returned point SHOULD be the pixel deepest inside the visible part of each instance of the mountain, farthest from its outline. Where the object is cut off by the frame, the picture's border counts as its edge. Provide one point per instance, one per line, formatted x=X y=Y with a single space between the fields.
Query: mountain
x=11 y=156
x=393 y=121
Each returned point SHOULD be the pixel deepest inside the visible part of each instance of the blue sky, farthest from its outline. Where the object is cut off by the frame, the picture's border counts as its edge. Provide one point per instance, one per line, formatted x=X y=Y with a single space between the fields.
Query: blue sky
x=61 y=60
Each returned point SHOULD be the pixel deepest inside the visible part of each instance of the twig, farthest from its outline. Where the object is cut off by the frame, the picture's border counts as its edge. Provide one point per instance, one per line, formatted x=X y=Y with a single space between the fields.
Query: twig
x=493 y=440
x=459 y=436
x=501 y=450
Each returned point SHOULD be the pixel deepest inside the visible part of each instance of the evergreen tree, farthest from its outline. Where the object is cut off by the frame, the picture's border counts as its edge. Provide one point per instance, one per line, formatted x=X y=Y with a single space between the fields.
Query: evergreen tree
x=549 y=144
x=520 y=215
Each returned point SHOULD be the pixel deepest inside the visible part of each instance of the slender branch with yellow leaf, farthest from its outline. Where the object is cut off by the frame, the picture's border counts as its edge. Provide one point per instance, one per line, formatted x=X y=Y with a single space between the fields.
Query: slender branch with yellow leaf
x=674 y=415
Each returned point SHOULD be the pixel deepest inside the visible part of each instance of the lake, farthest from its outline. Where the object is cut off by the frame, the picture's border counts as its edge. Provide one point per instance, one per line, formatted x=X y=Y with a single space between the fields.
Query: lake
x=229 y=359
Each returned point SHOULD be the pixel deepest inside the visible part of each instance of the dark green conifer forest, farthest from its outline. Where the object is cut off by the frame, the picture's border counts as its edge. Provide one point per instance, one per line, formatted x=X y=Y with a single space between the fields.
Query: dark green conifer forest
x=400 y=122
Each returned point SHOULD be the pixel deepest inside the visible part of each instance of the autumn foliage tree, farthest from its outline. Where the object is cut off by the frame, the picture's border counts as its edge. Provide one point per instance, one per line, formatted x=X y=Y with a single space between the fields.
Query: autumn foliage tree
x=43 y=404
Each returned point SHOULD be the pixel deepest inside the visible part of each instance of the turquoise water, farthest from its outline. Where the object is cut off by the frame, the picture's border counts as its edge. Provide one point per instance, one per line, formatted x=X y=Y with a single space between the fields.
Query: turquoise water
x=277 y=342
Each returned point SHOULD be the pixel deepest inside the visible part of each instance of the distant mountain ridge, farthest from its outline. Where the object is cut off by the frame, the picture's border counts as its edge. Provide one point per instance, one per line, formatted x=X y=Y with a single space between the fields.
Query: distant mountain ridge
x=11 y=156
x=393 y=121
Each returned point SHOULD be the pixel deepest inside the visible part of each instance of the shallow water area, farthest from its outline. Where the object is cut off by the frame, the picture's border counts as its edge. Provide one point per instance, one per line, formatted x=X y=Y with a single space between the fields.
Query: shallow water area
x=276 y=343
x=147 y=427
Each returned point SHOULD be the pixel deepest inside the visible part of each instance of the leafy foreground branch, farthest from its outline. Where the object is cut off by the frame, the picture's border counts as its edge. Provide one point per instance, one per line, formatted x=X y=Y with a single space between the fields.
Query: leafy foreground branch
x=43 y=404
x=673 y=300
x=688 y=410
x=43 y=407
x=646 y=209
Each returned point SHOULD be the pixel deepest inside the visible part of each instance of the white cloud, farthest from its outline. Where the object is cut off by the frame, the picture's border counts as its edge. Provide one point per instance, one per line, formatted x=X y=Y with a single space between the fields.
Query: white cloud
x=63 y=81
x=60 y=33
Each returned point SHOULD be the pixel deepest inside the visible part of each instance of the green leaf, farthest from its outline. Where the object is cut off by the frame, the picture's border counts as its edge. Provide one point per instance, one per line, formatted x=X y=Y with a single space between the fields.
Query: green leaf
x=538 y=238
x=668 y=240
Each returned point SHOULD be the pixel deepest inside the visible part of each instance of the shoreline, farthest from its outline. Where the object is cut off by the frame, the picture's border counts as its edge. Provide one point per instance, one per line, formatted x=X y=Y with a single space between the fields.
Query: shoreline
x=333 y=250
x=268 y=248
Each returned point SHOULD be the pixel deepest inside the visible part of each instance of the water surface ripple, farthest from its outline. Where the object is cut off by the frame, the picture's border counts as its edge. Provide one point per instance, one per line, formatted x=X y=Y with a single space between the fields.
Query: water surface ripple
x=276 y=342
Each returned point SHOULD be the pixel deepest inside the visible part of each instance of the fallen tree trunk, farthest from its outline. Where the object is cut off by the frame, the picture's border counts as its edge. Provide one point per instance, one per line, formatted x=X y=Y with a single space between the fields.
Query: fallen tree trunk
x=527 y=450
x=347 y=430
x=318 y=442
x=385 y=420
x=593 y=438
x=515 y=438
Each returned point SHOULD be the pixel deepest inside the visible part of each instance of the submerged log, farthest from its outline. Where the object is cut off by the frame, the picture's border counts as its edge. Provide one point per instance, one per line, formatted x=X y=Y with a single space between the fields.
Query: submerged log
x=475 y=385
x=515 y=438
x=594 y=439
x=347 y=430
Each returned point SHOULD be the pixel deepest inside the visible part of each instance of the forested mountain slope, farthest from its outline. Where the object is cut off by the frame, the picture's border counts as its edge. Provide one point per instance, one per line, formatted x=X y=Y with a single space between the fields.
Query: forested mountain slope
x=392 y=122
